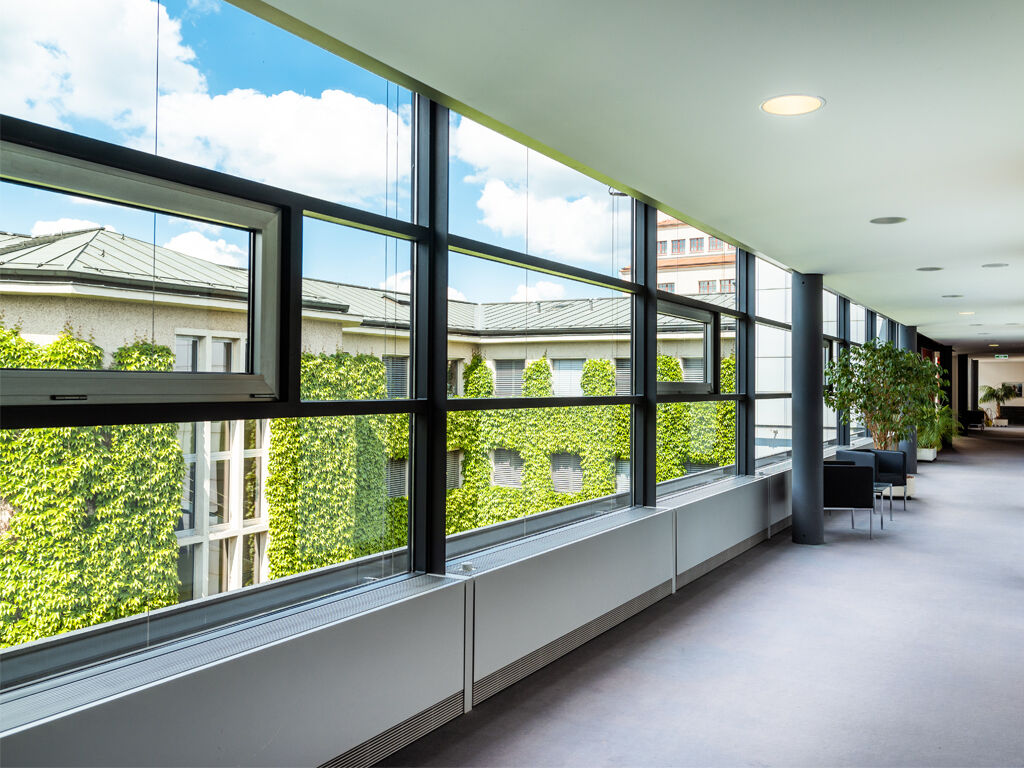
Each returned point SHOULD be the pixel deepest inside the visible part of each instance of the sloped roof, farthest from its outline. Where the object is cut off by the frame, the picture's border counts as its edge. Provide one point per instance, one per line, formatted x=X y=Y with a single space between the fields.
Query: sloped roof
x=103 y=257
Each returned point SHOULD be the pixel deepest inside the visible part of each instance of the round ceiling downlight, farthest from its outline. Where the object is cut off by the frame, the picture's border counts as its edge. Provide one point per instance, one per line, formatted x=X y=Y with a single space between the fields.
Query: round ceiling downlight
x=792 y=104
x=929 y=269
x=889 y=220
x=952 y=295
x=994 y=265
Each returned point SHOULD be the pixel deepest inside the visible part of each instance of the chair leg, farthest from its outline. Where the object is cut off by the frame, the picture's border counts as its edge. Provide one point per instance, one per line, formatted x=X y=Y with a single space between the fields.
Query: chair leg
x=851 y=519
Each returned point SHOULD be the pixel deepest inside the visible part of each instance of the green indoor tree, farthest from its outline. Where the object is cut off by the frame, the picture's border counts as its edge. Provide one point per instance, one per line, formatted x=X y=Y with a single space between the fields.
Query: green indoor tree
x=997 y=395
x=893 y=390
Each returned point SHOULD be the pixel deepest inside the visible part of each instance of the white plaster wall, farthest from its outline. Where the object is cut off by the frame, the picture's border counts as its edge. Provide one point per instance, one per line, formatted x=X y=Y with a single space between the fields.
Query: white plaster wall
x=996 y=372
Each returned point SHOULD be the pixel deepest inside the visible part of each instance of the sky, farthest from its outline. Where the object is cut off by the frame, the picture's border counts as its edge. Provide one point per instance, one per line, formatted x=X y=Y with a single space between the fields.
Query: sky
x=238 y=95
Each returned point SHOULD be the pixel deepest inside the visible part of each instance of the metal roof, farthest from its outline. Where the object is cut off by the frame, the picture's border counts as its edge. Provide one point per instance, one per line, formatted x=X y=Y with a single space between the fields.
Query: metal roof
x=111 y=259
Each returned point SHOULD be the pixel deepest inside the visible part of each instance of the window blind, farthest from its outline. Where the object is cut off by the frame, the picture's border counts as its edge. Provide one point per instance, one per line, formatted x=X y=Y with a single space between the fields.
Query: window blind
x=508 y=468
x=397 y=371
x=509 y=378
x=566 y=378
x=623 y=376
x=566 y=473
x=395 y=478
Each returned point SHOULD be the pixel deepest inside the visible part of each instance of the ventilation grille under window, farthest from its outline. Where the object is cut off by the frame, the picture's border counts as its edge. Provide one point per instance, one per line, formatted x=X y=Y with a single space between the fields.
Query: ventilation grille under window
x=508 y=468
x=453 y=478
x=623 y=376
x=566 y=473
x=397 y=370
x=395 y=478
x=566 y=378
x=509 y=379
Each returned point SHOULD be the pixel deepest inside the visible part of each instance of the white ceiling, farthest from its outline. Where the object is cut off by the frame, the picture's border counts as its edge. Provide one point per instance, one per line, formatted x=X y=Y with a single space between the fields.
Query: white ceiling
x=924 y=119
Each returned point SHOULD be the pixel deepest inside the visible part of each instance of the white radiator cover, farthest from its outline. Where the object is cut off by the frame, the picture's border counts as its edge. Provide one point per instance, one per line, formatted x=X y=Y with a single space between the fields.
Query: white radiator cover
x=300 y=701
x=524 y=605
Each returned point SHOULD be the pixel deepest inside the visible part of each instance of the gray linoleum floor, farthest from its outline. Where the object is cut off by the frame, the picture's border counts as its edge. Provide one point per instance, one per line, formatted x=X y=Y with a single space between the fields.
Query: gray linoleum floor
x=907 y=650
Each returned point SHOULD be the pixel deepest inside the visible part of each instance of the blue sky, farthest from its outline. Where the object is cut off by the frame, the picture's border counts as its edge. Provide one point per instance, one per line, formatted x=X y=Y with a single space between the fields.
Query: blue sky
x=240 y=95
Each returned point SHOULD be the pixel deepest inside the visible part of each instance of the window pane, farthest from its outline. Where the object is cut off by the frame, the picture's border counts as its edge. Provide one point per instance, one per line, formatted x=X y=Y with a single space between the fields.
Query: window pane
x=727 y=371
x=881 y=328
x=858 y=323
x=514 y=332
x=520 y=463
x=692 y=263
x=279 y=109
x=77 y=550
x=774 y=349
x=505 y=194
x=681 y=349
x=773 y=286
x=123 y=289
x=773 y=430
x=696 y=443
x=829 y=313
x=355 y=313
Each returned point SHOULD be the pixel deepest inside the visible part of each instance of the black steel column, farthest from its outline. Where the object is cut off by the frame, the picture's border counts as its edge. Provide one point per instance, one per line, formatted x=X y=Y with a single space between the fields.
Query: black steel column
x=644 y=446
x=746 y=360
x=908 y=340
x=430 y=311
x=974 y=384
x=844 y=438
x=808 y=481
x=961 y=387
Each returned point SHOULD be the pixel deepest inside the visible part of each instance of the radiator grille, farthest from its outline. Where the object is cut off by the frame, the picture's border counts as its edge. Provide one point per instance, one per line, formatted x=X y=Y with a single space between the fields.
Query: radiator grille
x=401 y=735
x=517 y=670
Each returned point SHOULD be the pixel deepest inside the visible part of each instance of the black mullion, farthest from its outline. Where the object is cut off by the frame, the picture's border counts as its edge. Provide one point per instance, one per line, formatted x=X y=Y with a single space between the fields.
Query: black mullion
x=643 y=438
x=843 y=435
x=102 y=153
x=773 y=323
x=519 y=259
x=430 y=308
x=746 y=360
x=686 y=397
x=716 y=353
x=289 y=348
x=112 y=414
x=772 y=395
x=689 y=301
x=502 y=403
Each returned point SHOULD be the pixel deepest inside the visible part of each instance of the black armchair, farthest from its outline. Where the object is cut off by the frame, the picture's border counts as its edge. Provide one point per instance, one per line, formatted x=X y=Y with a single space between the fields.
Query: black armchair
x=860 y=458
x=852 y=487
x=892 y=468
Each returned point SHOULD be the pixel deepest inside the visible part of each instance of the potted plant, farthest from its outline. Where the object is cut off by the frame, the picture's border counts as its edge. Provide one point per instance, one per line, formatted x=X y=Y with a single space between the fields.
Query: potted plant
x=942 y=428
x=997 y=395
x=893 y=390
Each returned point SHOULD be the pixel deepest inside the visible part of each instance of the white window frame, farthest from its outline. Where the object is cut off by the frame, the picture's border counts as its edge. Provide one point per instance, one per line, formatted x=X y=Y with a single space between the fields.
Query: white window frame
x=86 y=179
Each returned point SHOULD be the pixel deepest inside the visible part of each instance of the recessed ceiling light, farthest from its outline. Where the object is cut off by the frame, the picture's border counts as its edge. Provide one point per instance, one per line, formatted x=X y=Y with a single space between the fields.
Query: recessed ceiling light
x=976 y=325
x=889 y=220
x=952 y=295
x=965 y=313
x=994 y=265
x=1013 y=323
x=993 y=345
x=929 y=269
x=792 y=104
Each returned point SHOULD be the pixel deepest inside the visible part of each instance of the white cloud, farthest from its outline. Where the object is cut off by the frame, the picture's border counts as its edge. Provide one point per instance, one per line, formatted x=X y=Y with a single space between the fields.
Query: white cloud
x=336 y=146
x=201 y=247
x=63 y=225
x=63 y=61
x=401 y=282
x=542 y=290
x=561 y=213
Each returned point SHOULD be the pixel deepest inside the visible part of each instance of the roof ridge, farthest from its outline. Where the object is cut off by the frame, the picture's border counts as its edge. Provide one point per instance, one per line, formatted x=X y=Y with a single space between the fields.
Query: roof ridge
x=41 y=239
x=84 y=246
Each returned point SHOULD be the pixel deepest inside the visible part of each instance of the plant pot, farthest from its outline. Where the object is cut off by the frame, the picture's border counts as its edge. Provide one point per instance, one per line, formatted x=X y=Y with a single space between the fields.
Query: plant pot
x=897 y=492
x=1000 y=423
x=926 y=454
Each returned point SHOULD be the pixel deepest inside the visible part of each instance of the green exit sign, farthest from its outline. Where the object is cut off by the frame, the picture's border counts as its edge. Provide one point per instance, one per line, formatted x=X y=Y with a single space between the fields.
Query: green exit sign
x=1001 y=357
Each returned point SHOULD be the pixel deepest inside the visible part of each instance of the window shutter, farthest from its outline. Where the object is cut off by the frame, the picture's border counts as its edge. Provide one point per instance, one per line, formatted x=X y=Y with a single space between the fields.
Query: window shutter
x=395 y=478
x=623 y=376
x=509 y=378
x=566 y=473
x=397 y=371
x=566 y=378
x=508 y=468
x=452 y=474
x=621 y=475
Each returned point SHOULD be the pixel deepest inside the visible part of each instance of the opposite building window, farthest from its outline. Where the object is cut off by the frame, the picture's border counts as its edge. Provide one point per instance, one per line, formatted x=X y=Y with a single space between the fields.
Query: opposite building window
x=396 y=370
x=707 y=286
x=696 y=245
x=678 y=246
x=508 y=380
x=566 y=473
x=623 y=376
x=566 y=378
x=508 y=468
